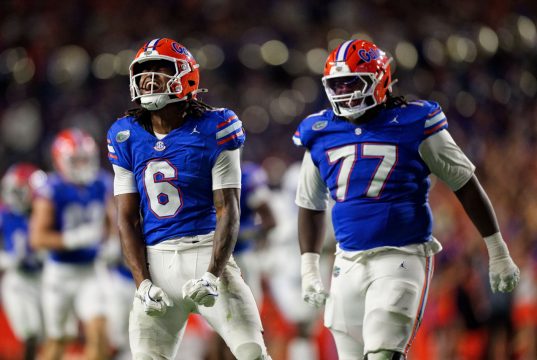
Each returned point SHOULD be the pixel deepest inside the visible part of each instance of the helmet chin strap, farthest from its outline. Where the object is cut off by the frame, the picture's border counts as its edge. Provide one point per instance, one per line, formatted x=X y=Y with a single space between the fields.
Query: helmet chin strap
x=156 y=102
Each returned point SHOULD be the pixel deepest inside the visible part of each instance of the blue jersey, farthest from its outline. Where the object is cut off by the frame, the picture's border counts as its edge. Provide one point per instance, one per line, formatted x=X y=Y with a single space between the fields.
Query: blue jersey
x=173 y=175
x=14 y=230
x=76 y=205
x=375 y=174
x=253 y=178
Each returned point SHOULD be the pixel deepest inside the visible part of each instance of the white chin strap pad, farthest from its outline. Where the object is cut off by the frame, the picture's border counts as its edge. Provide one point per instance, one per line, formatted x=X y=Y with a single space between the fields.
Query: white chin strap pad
x=154 y=102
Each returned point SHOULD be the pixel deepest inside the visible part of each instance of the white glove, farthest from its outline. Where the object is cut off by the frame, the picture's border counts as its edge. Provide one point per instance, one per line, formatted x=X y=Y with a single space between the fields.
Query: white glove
x=503 y=272
x=313 y=291
x=83 y=236
x=202 y=291
x=155 y=300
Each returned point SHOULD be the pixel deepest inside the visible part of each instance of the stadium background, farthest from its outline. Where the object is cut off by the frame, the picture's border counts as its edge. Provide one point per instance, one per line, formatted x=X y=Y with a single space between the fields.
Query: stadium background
x=65 y=63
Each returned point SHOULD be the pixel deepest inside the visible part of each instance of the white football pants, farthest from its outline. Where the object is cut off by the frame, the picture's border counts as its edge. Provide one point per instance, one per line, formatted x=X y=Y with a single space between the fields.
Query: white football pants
x=377 y=301
x=234 y=316
x=69 y=290
x=21 y=298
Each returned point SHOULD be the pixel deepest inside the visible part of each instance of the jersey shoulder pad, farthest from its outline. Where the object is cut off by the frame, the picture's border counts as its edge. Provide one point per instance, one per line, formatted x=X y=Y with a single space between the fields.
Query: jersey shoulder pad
x=310 y=128
x=429 y=114
x=118 y=141
x=224 y=127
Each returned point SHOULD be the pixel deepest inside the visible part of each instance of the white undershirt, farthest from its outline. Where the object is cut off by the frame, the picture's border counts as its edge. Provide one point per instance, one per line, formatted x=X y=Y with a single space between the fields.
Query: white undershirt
x=226 y=173
x=439 y=151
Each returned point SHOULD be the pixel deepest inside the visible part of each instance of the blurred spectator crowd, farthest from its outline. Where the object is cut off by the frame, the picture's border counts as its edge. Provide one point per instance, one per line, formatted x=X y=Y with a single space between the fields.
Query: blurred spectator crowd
x=65 y=63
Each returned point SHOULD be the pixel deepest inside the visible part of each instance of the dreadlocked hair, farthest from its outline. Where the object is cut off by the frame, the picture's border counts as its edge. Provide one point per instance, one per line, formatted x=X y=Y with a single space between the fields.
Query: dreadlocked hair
x=191 y=107
x=390 y=103
x=394 y=101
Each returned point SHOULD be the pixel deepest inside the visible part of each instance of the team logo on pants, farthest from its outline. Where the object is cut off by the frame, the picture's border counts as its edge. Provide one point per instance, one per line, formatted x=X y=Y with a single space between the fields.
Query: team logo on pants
x=337 y=271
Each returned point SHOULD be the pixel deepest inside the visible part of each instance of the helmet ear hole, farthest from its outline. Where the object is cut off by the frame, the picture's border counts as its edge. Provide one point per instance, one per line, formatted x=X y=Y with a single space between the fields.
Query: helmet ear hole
x=191 y=82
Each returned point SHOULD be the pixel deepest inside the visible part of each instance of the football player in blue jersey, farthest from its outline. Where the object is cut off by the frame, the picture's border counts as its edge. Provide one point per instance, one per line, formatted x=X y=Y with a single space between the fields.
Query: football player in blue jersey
x=21 y=282
x=256 y=221
x=69 y=221
x=177 y=187
x=373 y=153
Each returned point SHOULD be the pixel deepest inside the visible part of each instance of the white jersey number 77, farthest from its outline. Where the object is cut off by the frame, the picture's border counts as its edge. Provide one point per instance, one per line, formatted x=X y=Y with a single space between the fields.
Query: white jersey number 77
x=347 y=155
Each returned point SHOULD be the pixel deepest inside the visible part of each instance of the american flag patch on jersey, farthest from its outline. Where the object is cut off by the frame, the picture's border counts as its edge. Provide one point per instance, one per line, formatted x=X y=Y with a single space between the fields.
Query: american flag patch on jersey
x=296 y=139
x=111 y=151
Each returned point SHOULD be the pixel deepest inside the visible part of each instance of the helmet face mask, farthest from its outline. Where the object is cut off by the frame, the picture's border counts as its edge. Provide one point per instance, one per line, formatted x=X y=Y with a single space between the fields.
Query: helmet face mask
x=350 y=94
x=357 y=77
x=181 y=83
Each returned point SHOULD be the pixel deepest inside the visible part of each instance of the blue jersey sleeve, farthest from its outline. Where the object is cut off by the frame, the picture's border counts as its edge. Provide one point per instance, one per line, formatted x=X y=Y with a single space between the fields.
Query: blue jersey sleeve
x=118 y=145
x=310 y=128
x=432 y=116
x=229 y=131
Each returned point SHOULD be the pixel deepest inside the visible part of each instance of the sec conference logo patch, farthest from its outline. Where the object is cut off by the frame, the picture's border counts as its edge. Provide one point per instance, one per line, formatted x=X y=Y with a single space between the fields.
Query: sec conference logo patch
x=159 y=146
x=319 y=125
x=123 y=136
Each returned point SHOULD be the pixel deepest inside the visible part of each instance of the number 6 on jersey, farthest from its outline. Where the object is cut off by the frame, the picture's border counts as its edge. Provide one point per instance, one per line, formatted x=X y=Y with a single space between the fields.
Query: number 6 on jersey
x=164 y=198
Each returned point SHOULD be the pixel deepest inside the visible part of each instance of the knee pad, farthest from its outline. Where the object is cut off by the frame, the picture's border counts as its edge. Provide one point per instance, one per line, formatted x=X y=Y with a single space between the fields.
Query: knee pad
x=385 y=355
x=249 y=351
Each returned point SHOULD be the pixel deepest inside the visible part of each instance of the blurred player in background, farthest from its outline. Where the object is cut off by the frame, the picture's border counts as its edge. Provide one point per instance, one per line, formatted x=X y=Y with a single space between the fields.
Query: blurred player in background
x=283 y=273
x=69 y=220
x=177 y=185
x=373 y=153
x=21 y=282
x=256 y=220
x=118 y=289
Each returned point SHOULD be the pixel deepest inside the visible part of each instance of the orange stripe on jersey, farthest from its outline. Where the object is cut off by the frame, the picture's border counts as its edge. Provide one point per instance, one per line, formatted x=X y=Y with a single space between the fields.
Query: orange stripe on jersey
x=429 y=265
x=297 y=133
x=112 y=156
x=434 y=112
x=229 y=138
x=226 y=122
x=434 y=128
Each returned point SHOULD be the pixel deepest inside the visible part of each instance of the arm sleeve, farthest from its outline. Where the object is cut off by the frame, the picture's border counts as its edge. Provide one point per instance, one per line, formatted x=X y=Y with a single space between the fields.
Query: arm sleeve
x=124 y=182
x=446 y=160
x=311 y=192
x=226 y=172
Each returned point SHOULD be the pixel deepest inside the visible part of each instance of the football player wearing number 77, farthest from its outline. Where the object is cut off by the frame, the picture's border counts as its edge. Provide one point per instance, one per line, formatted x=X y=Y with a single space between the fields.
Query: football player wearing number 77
x=373 y=153
x=177 y=184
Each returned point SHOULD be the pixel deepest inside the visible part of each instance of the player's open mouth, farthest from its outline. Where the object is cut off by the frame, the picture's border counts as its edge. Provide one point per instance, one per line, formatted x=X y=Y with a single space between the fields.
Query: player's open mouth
x=150 y=87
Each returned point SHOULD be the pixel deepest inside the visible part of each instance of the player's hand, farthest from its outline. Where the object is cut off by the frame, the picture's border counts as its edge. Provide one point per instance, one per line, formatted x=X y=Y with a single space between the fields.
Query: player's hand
x=83 y=236
x=202 y=291
x=503 y=272
x=313 y=291
x=155 y=300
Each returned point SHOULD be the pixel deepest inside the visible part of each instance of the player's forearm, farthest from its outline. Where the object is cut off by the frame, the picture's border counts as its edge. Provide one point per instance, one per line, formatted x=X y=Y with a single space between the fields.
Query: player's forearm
x=311 y=230
x=134 y=251
x=46 y=240
x=225 y=237
x=477 y=205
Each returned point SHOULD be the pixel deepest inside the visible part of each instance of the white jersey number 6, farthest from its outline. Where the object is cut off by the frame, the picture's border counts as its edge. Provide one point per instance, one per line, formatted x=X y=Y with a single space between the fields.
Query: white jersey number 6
x=164 y=198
